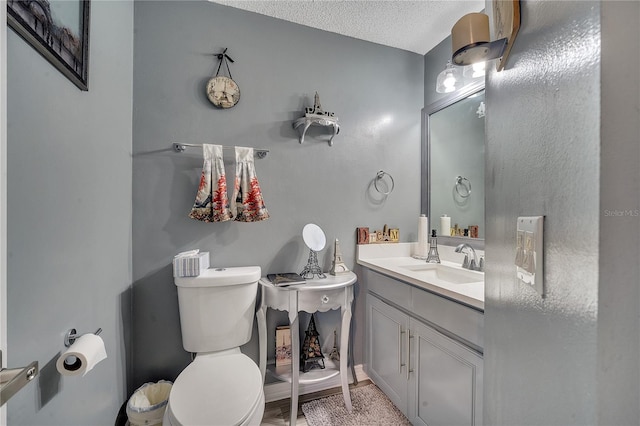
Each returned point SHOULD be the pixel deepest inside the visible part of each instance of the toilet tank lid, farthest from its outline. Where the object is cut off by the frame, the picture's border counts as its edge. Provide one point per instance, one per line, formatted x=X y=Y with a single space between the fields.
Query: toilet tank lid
x=216 y=277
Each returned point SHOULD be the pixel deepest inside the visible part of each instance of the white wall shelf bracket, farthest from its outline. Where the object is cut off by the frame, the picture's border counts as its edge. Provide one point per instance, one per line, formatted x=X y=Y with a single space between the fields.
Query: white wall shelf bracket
x=302 y=125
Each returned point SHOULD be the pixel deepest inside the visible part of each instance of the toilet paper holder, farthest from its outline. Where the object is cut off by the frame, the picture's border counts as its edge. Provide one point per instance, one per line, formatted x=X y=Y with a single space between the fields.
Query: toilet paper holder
x=72 y=335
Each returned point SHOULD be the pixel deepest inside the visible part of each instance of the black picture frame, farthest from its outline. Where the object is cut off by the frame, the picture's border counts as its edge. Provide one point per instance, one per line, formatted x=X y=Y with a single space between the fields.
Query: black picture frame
x=42 y=28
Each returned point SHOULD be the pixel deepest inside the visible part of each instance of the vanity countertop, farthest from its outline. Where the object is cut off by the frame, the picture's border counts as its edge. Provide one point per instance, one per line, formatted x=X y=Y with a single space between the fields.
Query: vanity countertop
x=395 y=260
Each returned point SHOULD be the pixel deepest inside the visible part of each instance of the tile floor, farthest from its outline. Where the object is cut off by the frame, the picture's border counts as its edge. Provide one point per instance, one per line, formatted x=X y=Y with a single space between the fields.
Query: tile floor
x=276 y=413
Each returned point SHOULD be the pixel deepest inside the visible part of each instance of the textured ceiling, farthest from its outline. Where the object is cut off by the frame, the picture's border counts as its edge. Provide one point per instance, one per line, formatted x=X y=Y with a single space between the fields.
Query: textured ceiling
x=416 y=26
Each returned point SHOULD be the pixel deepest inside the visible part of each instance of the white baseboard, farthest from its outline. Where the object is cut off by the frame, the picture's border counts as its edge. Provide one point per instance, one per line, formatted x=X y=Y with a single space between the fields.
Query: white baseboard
x=281 y=390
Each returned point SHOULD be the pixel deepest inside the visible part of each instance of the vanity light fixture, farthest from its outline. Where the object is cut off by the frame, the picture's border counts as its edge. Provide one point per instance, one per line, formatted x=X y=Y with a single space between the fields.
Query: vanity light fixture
x=449 y=79
x=470 y=38
x=471 y=42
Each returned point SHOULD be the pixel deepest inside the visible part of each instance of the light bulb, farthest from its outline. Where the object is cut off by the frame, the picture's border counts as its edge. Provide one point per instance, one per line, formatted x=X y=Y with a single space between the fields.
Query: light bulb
x=474 y=71
x=449 y=81
x=478 y=69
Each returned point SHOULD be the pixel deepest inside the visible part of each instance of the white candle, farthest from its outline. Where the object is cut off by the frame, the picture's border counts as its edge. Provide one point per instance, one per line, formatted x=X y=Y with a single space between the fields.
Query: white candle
x=445 y=225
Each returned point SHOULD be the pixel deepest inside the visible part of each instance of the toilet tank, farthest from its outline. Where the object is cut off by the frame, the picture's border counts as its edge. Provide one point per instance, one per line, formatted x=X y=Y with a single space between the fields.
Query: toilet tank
x=217 y=308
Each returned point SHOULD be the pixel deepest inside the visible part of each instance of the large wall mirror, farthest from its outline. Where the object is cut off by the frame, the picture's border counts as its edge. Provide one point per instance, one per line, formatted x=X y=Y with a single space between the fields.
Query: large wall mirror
x=453 y=164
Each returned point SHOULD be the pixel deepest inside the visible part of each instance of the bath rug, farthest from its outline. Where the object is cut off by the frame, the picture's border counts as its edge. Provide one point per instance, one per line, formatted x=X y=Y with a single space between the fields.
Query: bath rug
x=370 y=407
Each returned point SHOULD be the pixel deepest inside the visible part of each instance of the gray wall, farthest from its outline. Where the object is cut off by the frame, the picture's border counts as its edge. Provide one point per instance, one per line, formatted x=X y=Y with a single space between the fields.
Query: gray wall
x=278 y=66
x=69 y=221
x=543 y=158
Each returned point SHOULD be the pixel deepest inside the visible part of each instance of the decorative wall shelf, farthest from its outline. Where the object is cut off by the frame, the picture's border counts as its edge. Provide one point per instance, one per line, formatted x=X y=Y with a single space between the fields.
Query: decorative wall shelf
x=316 y=116
x=303 y=124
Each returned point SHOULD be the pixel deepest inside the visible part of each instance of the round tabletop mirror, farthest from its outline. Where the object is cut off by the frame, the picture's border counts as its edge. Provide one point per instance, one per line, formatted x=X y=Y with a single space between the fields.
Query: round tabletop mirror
x=313 y=237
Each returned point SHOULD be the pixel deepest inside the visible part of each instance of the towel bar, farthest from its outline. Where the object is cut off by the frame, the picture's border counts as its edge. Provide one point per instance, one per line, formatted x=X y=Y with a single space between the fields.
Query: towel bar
x=180 y=147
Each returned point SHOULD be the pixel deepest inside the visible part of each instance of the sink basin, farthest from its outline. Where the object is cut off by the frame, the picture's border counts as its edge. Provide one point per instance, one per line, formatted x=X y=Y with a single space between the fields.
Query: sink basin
x=434 y=271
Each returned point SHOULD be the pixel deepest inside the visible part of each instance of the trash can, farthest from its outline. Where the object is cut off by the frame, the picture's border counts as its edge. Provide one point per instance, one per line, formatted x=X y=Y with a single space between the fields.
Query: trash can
x=147 y=404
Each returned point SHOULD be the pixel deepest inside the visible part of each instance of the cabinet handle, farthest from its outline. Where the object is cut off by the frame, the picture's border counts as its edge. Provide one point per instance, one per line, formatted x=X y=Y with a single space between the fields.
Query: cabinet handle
x=401 y=364
x=409 y=369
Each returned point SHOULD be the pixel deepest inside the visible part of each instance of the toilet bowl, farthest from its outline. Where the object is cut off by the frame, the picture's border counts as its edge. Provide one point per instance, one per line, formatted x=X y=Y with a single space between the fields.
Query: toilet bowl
x=217 y=389
x=221 y=386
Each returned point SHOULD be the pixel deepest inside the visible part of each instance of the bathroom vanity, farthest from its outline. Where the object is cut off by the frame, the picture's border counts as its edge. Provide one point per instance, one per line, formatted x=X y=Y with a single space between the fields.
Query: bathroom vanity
x=424 y=333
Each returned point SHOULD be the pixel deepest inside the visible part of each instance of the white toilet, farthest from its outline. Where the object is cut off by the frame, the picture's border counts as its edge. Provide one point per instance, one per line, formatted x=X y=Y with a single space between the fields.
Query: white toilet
x=221 y=386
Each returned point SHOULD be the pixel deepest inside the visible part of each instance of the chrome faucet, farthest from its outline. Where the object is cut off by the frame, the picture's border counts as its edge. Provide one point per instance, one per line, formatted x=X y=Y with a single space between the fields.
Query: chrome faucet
x=466 y=264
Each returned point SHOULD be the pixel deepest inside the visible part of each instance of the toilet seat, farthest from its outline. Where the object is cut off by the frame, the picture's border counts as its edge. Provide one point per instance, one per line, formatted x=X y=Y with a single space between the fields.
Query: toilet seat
x=222 y=389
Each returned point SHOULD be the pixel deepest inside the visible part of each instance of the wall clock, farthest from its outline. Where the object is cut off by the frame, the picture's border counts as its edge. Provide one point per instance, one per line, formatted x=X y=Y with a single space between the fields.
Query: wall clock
x=223 y=92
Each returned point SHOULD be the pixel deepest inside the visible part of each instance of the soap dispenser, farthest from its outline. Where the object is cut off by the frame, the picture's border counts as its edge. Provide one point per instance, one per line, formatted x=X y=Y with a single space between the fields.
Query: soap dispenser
x=433 y=256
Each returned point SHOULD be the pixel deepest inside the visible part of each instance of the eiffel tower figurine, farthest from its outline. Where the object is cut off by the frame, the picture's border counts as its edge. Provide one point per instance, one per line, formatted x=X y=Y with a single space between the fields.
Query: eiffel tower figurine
x=312 y=269
x=311 y=353
x=338 y=267
x=334 y=354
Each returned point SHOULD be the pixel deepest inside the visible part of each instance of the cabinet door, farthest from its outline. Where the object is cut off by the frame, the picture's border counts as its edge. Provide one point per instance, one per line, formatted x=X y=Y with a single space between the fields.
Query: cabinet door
x=445 y=387
x=387 y=355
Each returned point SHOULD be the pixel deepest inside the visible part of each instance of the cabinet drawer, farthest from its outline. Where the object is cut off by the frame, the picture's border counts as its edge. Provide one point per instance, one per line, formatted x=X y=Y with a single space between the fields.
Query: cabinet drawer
x=455 y=318
x=388 y=288
x=322 y=301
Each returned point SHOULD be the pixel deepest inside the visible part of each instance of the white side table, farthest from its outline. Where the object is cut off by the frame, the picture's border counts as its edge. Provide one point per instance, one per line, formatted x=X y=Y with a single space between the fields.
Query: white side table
x=317 y=295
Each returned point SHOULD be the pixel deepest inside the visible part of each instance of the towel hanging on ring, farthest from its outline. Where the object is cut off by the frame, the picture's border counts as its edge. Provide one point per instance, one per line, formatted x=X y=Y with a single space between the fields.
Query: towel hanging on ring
x=212 y=202
x=248 y=205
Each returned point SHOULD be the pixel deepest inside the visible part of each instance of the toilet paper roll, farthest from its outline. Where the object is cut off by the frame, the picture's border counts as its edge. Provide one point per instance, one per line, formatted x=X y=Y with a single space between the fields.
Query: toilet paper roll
x=82 y=356
x=445 y=226
x=422 y=249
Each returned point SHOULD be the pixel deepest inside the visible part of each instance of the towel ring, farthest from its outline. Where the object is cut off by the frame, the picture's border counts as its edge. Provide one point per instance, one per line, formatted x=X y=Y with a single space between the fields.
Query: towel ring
x=381 y=174
x=467 y=186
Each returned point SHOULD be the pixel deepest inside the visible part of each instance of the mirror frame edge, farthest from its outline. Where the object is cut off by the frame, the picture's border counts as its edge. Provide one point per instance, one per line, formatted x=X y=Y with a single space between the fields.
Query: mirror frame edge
x=425 y=148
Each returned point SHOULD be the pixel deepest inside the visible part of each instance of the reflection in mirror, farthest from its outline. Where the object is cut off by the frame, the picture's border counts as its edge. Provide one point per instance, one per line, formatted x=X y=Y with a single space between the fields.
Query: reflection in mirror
x=453 y=163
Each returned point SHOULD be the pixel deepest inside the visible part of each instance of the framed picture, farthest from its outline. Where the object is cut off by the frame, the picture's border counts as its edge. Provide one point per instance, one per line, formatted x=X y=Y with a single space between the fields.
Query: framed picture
x=283 y=345
x=58 y=30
